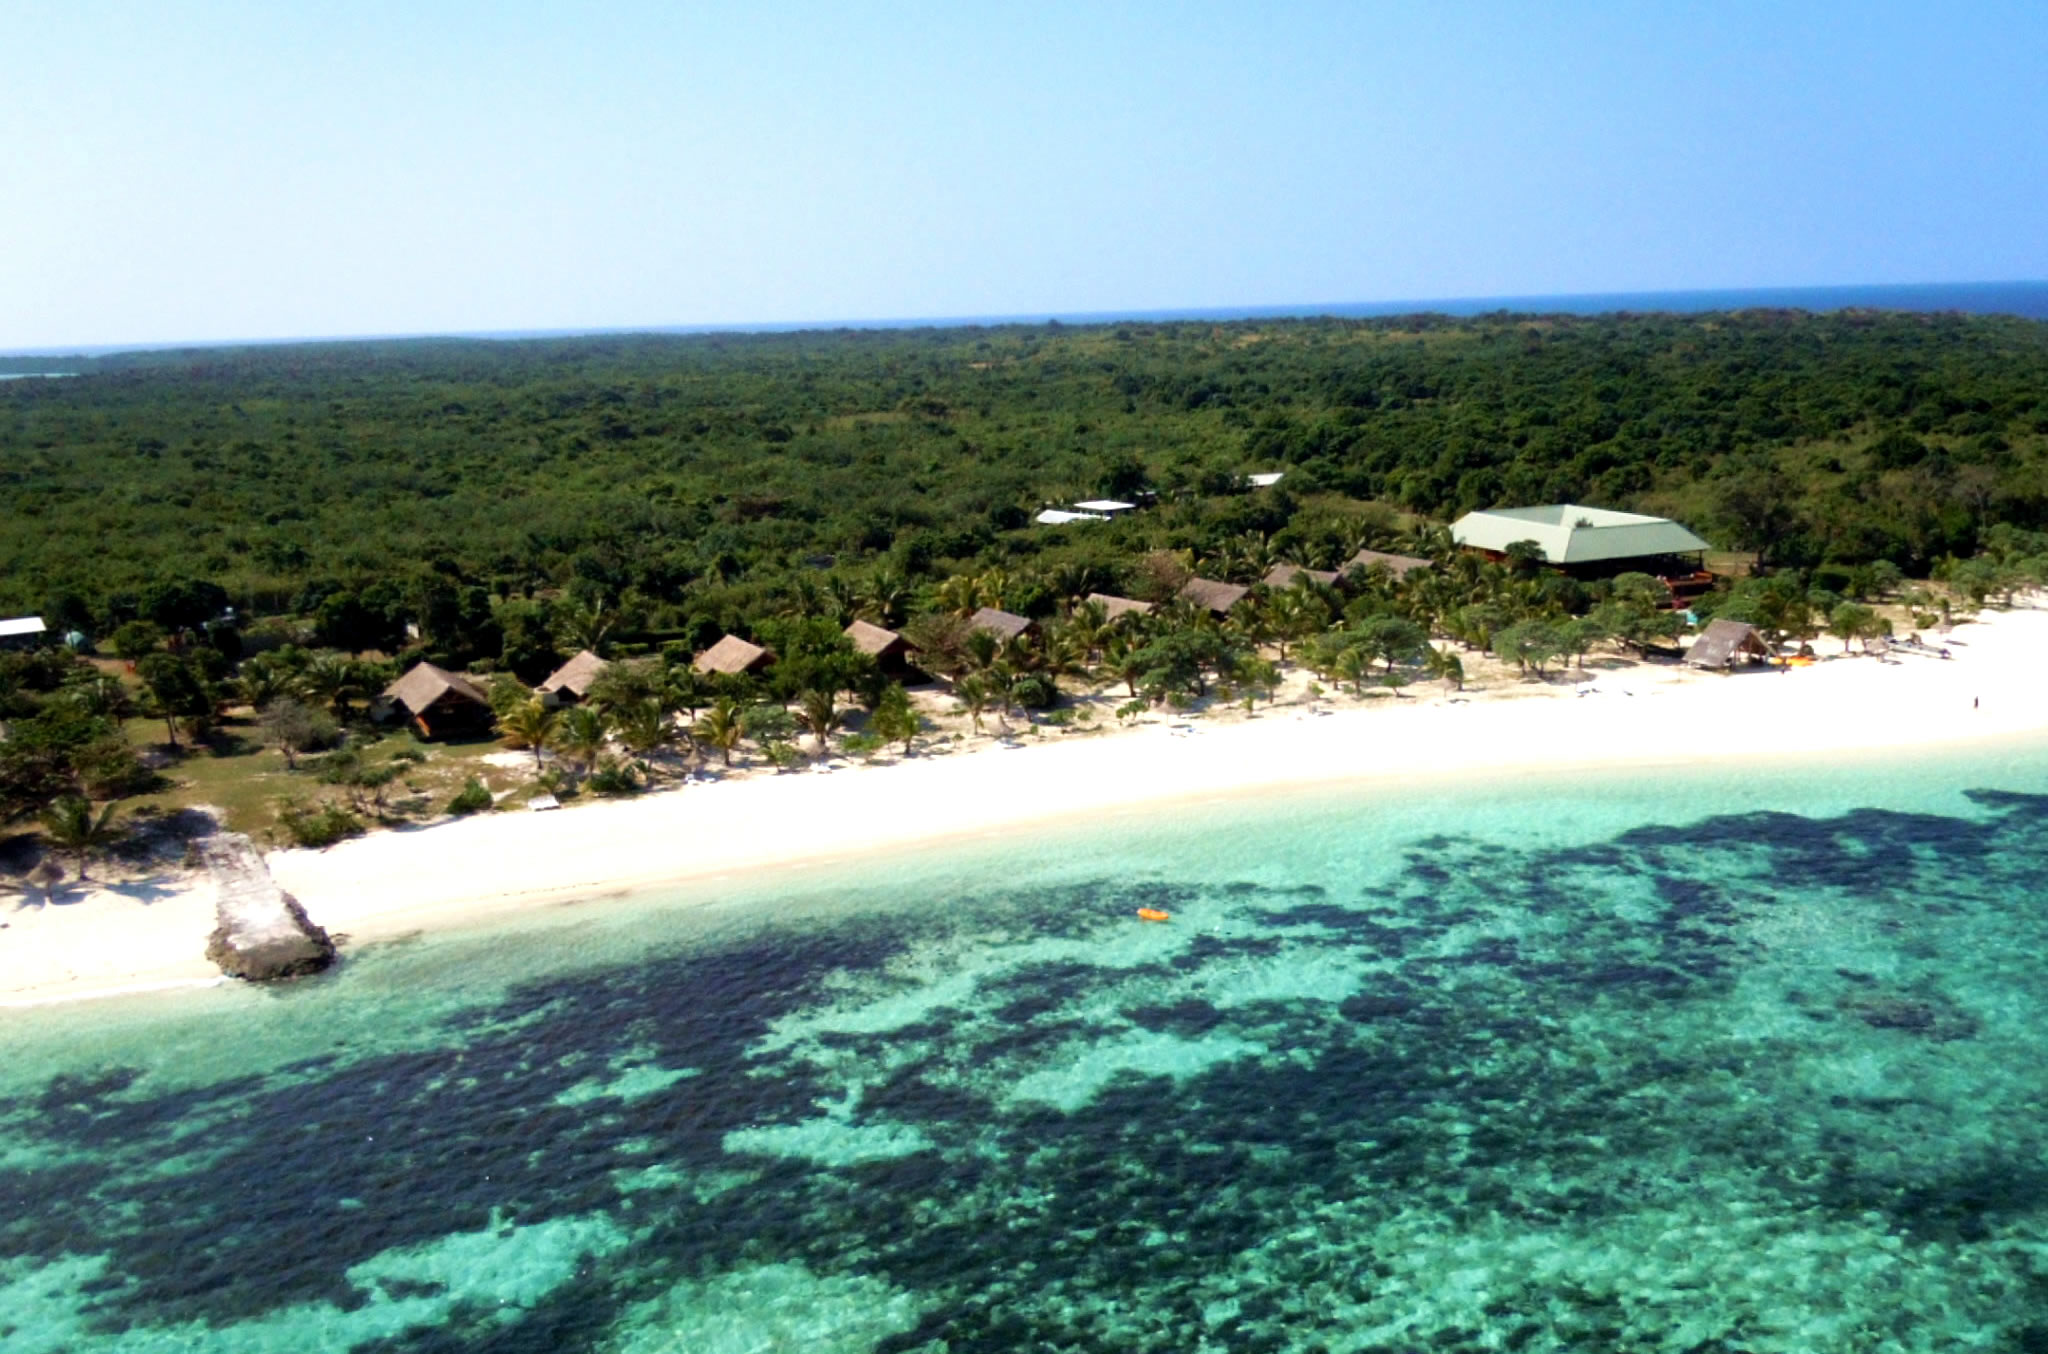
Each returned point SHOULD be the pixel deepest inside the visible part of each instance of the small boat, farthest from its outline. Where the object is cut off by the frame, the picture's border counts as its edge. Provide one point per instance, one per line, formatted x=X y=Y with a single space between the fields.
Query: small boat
x=1153 y=914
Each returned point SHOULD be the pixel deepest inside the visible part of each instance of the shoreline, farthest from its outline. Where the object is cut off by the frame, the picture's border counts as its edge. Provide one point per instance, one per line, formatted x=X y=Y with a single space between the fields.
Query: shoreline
x=491 y=868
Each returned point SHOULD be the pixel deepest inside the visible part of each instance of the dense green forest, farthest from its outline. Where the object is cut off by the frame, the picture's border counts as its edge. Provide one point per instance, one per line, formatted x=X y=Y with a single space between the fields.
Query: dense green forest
x=693 y=483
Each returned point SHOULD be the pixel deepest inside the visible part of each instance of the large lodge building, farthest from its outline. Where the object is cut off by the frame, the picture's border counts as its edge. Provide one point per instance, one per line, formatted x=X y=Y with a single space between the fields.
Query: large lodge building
x=1590 y=543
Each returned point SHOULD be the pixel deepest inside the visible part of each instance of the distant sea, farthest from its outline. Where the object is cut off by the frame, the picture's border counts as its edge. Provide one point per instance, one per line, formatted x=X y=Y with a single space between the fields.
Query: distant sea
x=2026 y=299
x=1676 y=1060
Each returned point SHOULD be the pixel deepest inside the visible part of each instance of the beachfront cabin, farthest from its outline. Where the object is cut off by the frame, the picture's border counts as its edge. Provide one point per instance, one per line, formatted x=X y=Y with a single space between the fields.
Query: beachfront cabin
x=1004 y=625
x=1106 y=507
x=571 y=682
x=1115 y=608
x=1589 y=543
x=1283 y=576
x=23 y=632
x=1725 y=645
x=1400 y=566
x=439 y=703
x=1060 y=517
x=732 y=657
x=1209 y=593
x=1264 y=481
x=892 y=653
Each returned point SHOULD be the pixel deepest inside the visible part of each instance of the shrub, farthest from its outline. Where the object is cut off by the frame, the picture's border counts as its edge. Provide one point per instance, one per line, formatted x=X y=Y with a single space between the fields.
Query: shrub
x=862 y=745
x=767 y=724
x=614 y=778
x=782 y=755
x=1035 y=691
x=319 y=825
x=474 y=797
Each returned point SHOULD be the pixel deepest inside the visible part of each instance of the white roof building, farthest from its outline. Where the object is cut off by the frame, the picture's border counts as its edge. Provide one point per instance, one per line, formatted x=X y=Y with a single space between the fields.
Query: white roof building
x=1265 y=481
x=1107 y=507
x=22 y=627
x=1059 y=517
x=1569 y=533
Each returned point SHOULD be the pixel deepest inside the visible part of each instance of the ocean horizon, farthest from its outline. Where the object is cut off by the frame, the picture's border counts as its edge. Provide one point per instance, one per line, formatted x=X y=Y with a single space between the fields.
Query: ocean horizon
x=1676 y=1058
x=2024 y=299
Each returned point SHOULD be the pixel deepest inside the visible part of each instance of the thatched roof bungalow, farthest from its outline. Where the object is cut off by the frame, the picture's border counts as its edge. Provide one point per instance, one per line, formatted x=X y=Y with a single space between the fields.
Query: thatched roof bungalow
x=1283 y=576
x=891 y=651
x=1114 y=606
x=572 y=681
x=1216 y=596
x=732 y=657
x=1725 y=644
x=1400 y=566
x=439 y=701
x=1003 y=624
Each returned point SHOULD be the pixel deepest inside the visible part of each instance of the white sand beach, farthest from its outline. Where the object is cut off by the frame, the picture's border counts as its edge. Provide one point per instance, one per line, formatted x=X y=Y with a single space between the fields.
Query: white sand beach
x=466 y=872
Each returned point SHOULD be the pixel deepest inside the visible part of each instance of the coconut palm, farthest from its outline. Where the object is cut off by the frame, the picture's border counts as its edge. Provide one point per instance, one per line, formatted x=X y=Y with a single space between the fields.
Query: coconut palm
x=333 y=681
x=894 y=718
x=818 y=712
x=261 y=682
x=71 y=825
x=582 y=626
x=528 y=725
x=642 y=725
x=885 y=599
x=719 y=727
x=580 y=733
x=974 y=696
x=1446 y=667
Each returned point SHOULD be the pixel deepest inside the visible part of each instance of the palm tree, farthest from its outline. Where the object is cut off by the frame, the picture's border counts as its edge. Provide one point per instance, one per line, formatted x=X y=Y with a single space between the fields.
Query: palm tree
x=331 y=680
x=720 y=727
x=1446 y=667
x=530 y=725
x=894 y=718
x=579 y=625
x=71 y=825
x=818 y=712
x=974 y=694
x=886 y=598
x=581 y=733
x=642 y=725
x=261 y=682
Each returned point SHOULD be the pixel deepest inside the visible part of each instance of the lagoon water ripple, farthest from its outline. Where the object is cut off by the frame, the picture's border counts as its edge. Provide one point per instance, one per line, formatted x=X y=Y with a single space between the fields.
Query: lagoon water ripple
x=1753 y=1080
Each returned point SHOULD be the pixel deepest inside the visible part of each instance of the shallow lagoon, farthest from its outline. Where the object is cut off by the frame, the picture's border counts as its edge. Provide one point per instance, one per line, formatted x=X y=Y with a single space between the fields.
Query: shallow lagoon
x=1679 y=1061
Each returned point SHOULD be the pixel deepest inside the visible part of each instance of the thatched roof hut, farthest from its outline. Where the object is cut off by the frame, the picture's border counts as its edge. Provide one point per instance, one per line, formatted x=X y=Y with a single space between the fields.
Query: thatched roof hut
x=571 y=682
x=1114 y=606
x=1400 y=566
x=891 y=651
x=1004 y=624
x=1725 y=643
x=439 y=700
x=1283 y=576
x=1217 y=597
x=732 y=656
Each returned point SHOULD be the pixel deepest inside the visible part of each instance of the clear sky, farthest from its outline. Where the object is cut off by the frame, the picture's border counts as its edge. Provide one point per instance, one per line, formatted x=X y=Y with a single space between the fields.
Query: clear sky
x=205 y=171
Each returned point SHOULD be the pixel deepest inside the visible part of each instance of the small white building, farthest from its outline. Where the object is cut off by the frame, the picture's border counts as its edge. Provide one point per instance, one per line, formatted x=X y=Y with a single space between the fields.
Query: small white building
x=1059 y=517
x=1106 y=507
x=22 y=632
x=1266 y=480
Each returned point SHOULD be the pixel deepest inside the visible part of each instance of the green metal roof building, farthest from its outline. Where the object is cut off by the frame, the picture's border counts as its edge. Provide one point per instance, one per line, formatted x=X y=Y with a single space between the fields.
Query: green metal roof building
x=1572 y=535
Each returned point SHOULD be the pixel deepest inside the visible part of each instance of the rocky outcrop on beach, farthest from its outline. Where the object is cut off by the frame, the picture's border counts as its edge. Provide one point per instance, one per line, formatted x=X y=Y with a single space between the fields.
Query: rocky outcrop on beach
x=263 y=935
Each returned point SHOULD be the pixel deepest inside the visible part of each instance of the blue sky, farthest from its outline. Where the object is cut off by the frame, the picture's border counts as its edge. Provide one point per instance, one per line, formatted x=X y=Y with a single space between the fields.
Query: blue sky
x=208 y=171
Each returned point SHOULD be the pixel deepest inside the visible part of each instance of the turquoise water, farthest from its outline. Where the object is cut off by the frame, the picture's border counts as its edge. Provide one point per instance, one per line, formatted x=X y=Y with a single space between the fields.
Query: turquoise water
x=1681 y=1061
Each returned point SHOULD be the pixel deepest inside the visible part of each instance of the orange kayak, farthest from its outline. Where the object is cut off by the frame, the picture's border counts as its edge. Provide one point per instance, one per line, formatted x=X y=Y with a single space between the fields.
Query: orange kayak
x=1153 y=914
